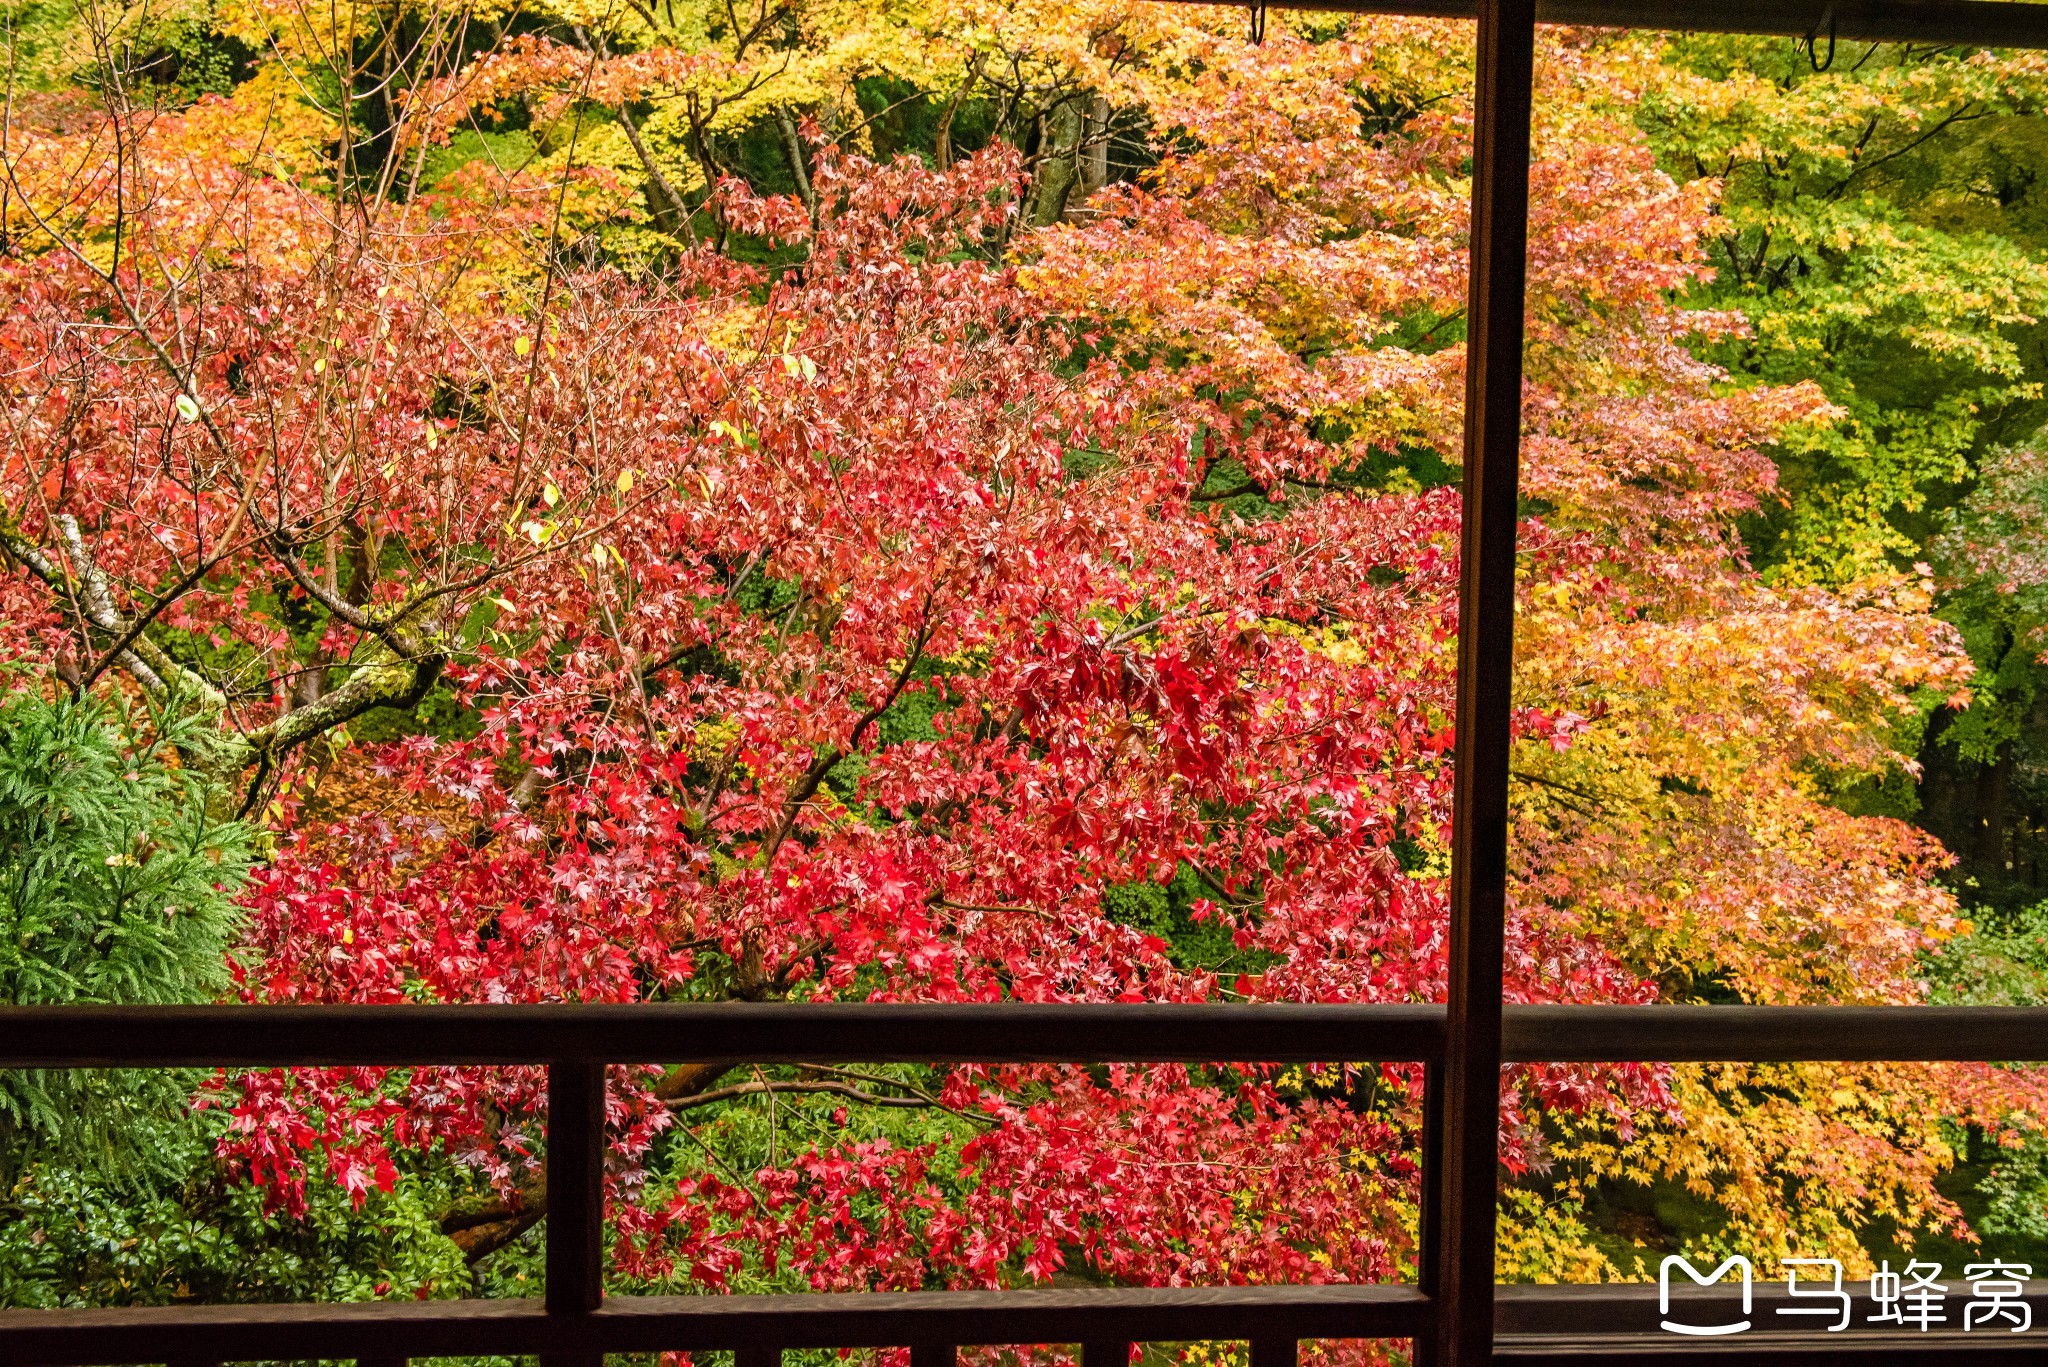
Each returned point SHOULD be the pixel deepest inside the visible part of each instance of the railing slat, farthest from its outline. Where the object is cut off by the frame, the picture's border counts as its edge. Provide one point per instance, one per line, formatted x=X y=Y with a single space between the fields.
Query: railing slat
x=1429 y=1222
x=575 y=1219
x=1106 y=1353
x=1272 y=1351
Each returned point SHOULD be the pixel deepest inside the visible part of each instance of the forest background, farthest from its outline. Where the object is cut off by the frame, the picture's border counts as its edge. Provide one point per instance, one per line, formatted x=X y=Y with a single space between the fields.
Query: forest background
x=957 y=501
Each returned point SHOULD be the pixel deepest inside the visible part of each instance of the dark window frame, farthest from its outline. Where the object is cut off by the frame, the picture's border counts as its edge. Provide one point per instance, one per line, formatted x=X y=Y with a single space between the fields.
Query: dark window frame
x=1455 y=1315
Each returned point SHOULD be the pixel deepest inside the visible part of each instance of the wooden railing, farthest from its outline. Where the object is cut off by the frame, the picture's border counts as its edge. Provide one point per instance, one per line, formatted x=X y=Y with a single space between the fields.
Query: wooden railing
x=578 y=1323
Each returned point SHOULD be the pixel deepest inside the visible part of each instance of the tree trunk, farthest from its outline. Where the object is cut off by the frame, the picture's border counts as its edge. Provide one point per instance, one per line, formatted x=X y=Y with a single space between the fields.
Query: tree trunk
x=1992 y=784
x=481 y=1225
x=1095 y=151
x=1058 y=163
x=793 y=148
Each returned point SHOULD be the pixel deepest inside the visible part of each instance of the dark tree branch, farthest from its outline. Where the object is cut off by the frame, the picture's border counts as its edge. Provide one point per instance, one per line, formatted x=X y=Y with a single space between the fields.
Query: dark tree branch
x=807 y=787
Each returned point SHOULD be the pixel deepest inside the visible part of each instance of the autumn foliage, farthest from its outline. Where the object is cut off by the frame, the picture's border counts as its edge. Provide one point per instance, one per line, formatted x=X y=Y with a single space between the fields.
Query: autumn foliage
x=937 y=582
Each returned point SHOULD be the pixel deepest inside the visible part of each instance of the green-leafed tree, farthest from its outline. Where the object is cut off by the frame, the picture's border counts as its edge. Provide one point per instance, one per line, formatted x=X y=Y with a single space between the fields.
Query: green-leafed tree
x=118 y=877
x=118 y=882
x=1884 y=233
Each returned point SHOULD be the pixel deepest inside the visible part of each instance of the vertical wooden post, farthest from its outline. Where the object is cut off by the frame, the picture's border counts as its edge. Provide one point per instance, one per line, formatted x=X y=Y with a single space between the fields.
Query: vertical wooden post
x=575 y=1223
x=1486 y=637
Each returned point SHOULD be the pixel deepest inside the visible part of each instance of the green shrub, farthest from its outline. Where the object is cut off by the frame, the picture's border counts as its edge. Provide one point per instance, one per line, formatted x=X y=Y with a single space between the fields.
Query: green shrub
x=117 y=885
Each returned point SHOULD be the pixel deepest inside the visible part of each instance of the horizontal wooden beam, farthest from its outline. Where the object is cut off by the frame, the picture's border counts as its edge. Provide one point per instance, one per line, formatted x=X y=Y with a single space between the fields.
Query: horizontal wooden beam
x=271 y=1036
x=1941 y=23
x=1766 y=1349
x=1776 y=1034
x=276 y=1036
x=1995 y=1349
x=1610 y=1324
x=646 y=1324
x=1628 y=1314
